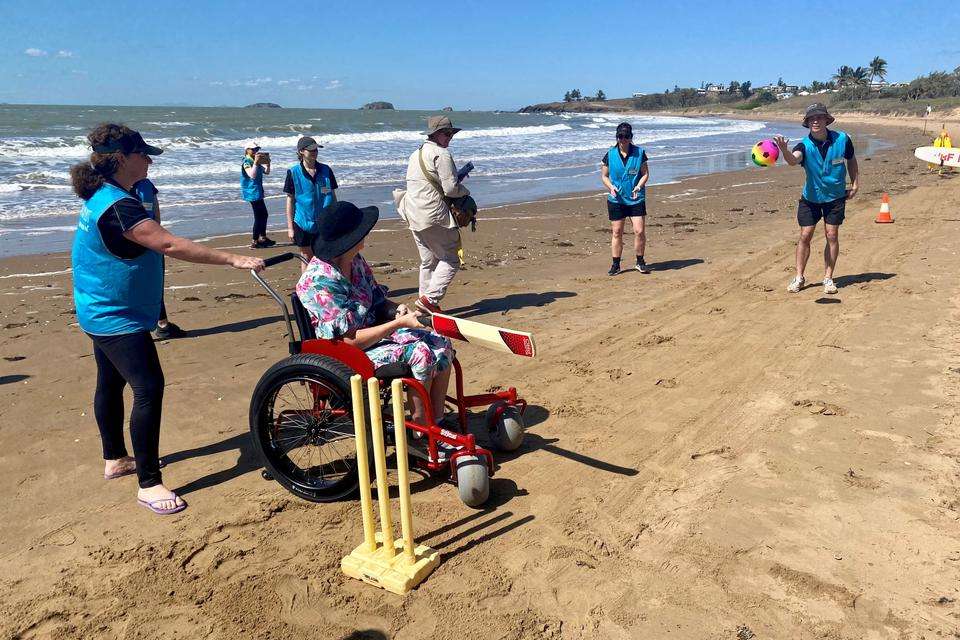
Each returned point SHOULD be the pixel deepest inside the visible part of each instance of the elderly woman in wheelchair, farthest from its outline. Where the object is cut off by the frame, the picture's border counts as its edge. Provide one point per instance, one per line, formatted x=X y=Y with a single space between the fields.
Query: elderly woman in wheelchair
x=344 y=301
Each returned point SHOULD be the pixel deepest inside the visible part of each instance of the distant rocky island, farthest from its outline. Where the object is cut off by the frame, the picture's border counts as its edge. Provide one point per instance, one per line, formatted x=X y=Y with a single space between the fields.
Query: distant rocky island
x=263 y=105
x=377 y=106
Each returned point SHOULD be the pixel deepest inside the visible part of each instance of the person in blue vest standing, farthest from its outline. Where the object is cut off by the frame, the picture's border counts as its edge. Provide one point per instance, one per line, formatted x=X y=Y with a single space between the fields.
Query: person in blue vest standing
x=147 y=192
x=255 y=165
x=311 y=188
x=117 y=260
x=827 y=157
x=624 y=173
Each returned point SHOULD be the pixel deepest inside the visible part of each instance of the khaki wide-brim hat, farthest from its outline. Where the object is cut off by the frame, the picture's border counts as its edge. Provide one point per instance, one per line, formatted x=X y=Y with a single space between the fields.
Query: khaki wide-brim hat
x=440 y=123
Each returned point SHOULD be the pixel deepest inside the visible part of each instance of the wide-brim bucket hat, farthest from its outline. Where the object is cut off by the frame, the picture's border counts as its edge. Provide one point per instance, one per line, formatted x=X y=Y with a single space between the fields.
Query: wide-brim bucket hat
x=440 y=123
x=341 y=227
x=817 y=109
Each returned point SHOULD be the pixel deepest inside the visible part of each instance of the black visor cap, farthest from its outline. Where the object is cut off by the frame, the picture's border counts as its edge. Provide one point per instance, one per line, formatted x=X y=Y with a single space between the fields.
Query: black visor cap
x=130 y=143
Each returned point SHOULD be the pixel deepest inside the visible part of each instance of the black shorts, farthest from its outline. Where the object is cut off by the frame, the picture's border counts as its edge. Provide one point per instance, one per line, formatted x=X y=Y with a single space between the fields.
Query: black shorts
x=618 y=211
x=810 y=213
x=302 y=238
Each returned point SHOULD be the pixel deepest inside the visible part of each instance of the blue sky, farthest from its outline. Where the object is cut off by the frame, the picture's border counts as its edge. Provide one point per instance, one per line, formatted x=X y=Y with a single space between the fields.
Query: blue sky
x=480 y=55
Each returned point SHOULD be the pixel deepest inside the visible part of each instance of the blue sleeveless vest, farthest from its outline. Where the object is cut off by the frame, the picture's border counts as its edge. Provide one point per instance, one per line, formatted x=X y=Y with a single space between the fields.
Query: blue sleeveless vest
x=112 y=295
x=310 y=198
x=147 y=192
x=251 y=189
x=624 y=175
x=826 y=177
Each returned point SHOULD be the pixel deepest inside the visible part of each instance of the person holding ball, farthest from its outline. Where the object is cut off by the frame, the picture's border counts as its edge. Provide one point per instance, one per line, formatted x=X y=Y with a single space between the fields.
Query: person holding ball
x=826 y=156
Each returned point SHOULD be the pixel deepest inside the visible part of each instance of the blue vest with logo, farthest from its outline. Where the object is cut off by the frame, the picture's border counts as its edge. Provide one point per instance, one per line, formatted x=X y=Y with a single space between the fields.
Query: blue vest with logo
x=251 y=189
x=112 y=295
x=147 y=193
x=625 y=174
x=826 y=177
x=310 y=198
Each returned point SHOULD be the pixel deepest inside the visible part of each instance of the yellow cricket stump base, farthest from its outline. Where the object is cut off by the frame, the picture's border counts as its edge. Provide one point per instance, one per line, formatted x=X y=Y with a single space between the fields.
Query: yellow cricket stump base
x=397 y=574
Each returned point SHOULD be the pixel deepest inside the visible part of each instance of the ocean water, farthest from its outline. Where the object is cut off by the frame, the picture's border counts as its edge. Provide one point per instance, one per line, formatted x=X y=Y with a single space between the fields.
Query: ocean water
x=518 y=157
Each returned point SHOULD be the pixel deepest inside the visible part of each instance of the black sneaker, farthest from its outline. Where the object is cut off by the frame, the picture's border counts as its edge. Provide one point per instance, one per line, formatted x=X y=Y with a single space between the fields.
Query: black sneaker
x=614 y=269
x=267 y=242
x=642 y=267
x=168 y=332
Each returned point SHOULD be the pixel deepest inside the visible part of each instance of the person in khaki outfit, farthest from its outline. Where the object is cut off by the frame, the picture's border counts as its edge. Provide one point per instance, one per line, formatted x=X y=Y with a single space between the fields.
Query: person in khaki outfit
x=427 y=212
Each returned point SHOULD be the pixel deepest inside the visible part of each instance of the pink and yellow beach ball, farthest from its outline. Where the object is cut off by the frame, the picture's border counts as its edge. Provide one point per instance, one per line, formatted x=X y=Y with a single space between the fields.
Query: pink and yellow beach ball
x=765 y=153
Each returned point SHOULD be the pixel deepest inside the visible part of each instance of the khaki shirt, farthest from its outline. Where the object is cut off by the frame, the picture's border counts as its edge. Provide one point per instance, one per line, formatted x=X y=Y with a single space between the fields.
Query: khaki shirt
x=423 y=207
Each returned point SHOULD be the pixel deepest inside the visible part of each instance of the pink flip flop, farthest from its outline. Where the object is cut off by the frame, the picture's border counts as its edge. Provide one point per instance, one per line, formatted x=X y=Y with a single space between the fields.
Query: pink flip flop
x=163 y=512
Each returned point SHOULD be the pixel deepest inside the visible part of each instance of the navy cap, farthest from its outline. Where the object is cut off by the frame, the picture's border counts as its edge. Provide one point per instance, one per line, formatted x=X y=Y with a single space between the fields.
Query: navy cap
x=129 y=143
x=306 y=143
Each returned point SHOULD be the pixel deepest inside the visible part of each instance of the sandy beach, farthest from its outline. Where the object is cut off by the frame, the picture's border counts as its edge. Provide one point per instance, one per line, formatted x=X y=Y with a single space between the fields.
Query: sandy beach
x=707 y=456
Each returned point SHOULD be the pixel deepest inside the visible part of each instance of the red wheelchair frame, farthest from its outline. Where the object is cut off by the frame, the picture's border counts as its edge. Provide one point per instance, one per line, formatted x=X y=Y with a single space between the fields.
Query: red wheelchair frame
x=356 y=359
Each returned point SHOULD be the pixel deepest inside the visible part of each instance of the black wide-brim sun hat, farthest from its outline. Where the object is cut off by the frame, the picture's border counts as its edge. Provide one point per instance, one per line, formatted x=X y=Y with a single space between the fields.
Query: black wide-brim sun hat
x=341 y=227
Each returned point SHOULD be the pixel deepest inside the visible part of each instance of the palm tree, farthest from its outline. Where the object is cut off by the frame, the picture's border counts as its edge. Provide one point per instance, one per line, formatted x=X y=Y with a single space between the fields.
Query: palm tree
x=843 y=75
x=859 y=76
x=878 y=68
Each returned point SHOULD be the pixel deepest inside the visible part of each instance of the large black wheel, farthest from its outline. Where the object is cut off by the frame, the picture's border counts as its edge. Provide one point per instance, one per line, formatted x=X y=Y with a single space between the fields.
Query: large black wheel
x=301 y=422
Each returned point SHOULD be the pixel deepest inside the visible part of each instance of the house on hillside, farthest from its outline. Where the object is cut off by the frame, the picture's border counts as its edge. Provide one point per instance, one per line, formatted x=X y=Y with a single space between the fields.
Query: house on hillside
x=638 y=94
x=711 y=90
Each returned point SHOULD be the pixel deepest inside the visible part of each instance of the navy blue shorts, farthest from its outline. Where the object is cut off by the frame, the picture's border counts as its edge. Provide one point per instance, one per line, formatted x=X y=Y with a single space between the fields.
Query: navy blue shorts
x=810 y=213
x=618 y=211
x=302 y=238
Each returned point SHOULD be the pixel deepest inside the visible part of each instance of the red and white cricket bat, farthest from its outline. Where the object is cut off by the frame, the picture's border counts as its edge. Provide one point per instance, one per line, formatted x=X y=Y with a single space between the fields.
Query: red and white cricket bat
x=486 y=335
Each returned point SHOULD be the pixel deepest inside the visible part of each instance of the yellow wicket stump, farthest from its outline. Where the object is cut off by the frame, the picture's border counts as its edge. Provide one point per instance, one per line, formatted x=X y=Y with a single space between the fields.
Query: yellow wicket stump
x=395 y=565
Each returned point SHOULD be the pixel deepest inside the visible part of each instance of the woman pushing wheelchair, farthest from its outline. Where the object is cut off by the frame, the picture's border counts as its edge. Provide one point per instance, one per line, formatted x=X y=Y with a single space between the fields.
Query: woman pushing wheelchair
x=339 y=291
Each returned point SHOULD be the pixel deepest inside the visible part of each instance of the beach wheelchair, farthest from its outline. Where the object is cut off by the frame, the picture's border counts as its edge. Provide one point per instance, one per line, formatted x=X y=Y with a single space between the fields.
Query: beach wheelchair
x=301 y=417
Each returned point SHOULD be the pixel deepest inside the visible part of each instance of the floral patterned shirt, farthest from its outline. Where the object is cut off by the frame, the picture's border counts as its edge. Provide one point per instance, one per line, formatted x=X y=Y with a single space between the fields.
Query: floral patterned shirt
x=338 y=307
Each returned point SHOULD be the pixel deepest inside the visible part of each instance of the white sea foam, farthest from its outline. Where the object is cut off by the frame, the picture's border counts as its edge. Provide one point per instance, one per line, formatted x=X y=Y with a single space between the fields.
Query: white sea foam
x=36 y=275
x=24 y=186
x=78 y=147
x=198 y=176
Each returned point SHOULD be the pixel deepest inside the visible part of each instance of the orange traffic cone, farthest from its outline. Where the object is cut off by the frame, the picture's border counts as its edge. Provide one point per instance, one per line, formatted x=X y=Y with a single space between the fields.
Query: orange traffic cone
x=884 y=215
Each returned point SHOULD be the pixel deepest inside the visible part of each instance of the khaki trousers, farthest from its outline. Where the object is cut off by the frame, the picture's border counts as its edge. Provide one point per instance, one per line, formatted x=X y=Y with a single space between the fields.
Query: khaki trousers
x=438 y=260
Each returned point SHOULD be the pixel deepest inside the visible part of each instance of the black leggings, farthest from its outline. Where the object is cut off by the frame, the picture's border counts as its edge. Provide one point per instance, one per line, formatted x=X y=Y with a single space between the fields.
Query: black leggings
x=259 y=219
x=130 y=358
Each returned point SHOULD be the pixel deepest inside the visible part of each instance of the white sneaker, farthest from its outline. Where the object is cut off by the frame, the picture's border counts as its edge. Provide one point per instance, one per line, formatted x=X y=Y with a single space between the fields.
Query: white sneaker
x=796 y=285
x=828 y=286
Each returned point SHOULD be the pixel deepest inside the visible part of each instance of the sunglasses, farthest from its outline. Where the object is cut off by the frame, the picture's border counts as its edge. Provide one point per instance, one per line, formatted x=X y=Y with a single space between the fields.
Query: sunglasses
x=624 y=136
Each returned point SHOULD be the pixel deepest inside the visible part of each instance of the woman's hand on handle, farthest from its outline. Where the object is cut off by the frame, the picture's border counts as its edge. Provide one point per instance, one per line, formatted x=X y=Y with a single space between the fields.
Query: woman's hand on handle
x=246 y=262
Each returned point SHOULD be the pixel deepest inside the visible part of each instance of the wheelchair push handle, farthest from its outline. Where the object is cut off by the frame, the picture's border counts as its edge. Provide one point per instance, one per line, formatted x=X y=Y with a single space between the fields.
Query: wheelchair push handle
x=269 y=262
x=277 y=259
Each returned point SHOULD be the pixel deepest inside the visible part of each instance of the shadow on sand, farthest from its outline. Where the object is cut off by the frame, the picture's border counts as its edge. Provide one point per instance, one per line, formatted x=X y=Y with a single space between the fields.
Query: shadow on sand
x=247 y=461
x=233 y=327
x=509 y=303
x=856 y=278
